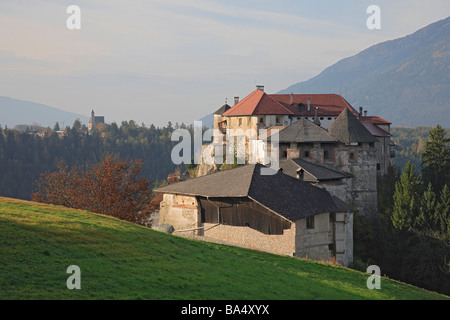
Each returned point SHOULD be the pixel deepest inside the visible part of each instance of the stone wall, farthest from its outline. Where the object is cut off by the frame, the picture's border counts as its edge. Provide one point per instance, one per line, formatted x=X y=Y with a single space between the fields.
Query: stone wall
x=362 y=187
x=313 y=243
x=182 y=212
x=253 y=239
x=359 y=160
x=332 y=236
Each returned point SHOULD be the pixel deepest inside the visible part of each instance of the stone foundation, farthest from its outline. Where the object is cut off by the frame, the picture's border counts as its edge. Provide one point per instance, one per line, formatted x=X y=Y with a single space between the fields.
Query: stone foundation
x=280 y=244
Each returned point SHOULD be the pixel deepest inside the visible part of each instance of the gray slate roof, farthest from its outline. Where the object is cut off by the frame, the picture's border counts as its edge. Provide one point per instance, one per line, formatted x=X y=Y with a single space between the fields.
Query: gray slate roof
x=316 y=171
x=348 y=129
x=342 y=206
x=280 y=193
x=222 y=109
x=304 y=131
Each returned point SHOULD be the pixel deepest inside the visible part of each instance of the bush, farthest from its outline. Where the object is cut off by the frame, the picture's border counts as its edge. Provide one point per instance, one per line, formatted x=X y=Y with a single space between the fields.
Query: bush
x=111 y=187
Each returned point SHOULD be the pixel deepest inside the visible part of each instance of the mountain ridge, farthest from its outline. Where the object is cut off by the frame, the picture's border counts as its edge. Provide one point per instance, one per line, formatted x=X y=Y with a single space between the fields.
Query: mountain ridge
x=21 y=112
x=404 y=80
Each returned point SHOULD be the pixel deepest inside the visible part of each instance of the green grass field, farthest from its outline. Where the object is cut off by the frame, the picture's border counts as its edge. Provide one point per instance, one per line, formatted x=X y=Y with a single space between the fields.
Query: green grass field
x=120 y=260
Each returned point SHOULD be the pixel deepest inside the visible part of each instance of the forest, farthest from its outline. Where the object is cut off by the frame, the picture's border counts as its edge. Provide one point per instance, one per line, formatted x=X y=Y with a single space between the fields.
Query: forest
x=409 y=145
x=24 y=156
x=410 y=238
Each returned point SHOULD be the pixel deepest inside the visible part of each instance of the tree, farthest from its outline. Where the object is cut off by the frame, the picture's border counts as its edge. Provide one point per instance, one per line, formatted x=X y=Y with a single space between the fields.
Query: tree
x=60 y=187
x=111 y=187
x=436 y=159
x=442 y=215
x=425 y=221
x=406 y=199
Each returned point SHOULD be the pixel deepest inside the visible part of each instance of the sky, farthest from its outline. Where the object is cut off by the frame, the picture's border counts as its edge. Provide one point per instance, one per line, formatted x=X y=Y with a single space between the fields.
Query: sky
x=155 y=61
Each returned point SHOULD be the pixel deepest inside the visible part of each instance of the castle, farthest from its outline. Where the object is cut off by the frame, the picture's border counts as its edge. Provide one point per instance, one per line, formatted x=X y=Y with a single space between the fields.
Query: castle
x=320 y=131
x=329 y=158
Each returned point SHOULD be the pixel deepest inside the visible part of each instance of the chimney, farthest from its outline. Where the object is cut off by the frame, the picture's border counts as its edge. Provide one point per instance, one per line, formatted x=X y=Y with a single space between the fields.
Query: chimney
x=360 y=112
x=301 y=174
x=236 y=100
x=309 y=105
x=260 y=87
x=316 y=118
x=365 y=113
x=292 y=99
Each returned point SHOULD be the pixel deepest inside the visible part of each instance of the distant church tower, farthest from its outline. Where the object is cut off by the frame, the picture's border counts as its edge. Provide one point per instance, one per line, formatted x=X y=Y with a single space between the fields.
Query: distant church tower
x=93 y=121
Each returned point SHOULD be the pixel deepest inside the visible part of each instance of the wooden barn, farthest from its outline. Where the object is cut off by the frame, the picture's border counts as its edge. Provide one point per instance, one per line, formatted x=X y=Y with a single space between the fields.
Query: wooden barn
x=275 y=213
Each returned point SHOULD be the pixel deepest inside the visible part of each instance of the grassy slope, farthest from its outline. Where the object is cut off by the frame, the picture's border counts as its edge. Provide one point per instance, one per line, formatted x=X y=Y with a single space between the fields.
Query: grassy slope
x=119 y=260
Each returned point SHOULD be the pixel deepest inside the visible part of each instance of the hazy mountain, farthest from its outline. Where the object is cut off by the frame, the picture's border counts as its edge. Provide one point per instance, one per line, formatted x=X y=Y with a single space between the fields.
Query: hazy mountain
x=14 y=112
x=405 y=81
x=207 y=121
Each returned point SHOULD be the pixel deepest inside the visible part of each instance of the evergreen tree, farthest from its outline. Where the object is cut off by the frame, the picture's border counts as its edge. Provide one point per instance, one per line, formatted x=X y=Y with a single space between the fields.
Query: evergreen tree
x=442 y=215
x=436 y=159
x=406 y=199
x=425 y=221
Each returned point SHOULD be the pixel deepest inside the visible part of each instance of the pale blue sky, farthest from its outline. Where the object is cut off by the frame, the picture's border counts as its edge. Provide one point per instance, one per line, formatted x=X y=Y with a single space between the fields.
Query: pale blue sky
x=177 y=60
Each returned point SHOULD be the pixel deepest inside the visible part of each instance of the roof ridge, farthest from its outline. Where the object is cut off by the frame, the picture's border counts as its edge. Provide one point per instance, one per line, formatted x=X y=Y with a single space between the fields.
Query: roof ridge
x=319 y=165
x=240 y=103
x=349 y=106
x=207 y=175
x=348 y=129
x=274 y=100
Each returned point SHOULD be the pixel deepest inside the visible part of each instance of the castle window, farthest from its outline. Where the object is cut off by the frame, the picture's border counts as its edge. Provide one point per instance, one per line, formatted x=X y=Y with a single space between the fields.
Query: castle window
x=326 y=155
x=277 y=120
x=310 y=222
x=371 y=144
x=378 y=166
x=240 y=122
x=261 y=120
x=352 y=155
x=306 y=154
x=332 y=217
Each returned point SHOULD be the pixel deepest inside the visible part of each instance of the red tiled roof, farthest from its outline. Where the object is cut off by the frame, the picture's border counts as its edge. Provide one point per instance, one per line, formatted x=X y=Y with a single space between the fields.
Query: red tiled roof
x=374 y=120
x=258 y=103
x=327 y=104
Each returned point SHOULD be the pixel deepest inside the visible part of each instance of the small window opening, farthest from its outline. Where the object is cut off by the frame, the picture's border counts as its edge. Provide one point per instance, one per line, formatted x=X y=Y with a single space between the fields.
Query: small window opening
x=310 y=222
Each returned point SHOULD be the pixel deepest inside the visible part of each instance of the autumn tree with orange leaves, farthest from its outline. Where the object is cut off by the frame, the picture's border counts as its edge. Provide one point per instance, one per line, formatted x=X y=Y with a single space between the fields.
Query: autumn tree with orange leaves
x=111 y=187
